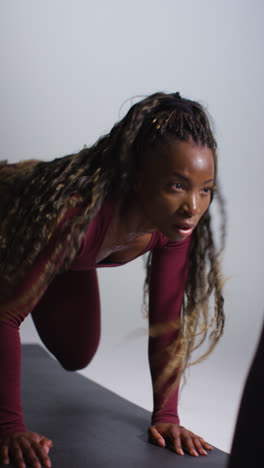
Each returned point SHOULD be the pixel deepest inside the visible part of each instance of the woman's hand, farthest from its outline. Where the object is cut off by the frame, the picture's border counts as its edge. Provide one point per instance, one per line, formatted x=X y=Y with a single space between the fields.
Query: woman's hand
x=25 y=447
x=179 y=438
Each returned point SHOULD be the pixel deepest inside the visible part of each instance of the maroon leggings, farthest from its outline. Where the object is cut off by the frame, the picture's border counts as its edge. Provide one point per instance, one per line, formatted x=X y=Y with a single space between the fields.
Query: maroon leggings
x=67 y=318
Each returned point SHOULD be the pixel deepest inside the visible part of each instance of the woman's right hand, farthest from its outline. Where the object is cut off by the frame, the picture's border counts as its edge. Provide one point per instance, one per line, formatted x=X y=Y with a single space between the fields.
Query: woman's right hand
x=25 y=447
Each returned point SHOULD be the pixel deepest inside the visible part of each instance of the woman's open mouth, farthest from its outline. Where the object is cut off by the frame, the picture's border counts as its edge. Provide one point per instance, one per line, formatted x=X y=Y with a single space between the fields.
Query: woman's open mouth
x=184 y=229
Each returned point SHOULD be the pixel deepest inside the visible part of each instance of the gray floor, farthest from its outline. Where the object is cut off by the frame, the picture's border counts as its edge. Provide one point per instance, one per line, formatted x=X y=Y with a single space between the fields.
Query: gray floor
x=89 y=425
x=209 y=400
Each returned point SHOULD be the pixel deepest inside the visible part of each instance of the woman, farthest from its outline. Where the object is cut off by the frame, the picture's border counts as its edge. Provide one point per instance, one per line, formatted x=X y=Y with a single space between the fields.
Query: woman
x=144 y=187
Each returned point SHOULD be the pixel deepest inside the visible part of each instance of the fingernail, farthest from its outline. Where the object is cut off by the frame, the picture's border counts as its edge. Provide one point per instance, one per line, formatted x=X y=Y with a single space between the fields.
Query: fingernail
x=195 y=453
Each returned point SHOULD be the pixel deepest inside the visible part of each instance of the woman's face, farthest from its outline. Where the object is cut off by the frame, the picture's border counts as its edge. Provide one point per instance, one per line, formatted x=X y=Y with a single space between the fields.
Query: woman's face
x=174 y=187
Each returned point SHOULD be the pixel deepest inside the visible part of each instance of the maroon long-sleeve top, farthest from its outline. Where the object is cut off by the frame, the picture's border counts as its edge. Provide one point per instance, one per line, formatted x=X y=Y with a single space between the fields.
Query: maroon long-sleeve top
x=168 y=275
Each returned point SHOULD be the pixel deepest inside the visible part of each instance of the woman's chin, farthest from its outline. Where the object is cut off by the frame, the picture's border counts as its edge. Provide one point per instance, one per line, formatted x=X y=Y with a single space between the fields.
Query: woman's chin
x=175 y=237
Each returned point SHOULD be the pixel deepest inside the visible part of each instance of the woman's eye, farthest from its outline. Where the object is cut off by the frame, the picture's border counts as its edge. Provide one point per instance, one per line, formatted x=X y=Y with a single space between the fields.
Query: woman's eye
x=178 y=186
x=206 y=190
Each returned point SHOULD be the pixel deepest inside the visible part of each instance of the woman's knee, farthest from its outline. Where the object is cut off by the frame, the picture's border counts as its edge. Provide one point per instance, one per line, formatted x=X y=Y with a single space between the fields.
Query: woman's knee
x=78 y=359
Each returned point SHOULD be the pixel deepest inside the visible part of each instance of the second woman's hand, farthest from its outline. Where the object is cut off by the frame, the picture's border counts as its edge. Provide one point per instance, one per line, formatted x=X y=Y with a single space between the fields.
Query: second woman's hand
x=179 y=438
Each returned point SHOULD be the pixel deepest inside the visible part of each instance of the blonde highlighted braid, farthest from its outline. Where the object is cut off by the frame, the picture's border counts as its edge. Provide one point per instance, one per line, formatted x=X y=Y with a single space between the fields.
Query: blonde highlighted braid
x=36 y=195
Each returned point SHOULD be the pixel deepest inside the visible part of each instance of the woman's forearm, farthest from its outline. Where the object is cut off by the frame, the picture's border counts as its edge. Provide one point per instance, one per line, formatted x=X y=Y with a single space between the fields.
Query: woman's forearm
x=11 y=415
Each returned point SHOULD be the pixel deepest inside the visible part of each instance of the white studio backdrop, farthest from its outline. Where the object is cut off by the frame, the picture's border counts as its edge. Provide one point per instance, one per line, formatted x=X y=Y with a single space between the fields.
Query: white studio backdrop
x=67 y=66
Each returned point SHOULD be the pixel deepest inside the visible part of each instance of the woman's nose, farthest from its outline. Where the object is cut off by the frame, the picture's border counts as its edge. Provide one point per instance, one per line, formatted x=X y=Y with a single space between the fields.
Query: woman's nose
x=190 y=205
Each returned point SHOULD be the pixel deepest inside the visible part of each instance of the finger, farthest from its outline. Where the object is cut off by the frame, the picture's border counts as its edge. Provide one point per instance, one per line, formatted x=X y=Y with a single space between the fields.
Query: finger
x=47 y=444
x=157 y=437
x=175 y=437
x=177 y=444
x=17 y=454
x=29 y=453
x=205 y=444
x=4 y=458
x=42 y=454
x=189 y=445
x=198 y=445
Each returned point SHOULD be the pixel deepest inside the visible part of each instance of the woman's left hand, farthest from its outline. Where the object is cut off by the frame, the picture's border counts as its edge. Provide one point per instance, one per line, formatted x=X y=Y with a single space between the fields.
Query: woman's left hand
x=179 y=438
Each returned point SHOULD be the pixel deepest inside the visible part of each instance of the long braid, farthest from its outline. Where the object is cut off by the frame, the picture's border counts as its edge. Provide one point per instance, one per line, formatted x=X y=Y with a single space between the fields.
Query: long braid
x=205 y=275
x=41 y=194
x=35 y=196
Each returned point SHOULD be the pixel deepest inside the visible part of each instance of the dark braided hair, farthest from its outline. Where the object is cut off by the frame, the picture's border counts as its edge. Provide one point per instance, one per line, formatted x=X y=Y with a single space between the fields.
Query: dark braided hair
x=36 y=195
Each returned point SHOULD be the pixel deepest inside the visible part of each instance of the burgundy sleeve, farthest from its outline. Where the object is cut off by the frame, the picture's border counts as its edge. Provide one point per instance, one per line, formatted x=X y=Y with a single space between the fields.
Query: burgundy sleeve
x=12 y=313
x=168 y=275
x=11 y=416
x=11 y=316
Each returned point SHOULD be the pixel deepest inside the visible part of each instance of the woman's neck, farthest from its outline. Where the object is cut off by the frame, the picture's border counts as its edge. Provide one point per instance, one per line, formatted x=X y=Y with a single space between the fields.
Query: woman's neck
x=131 y=221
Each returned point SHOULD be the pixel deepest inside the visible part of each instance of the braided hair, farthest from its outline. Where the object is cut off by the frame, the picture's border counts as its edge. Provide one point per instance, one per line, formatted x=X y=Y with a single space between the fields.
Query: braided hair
x=36 y=195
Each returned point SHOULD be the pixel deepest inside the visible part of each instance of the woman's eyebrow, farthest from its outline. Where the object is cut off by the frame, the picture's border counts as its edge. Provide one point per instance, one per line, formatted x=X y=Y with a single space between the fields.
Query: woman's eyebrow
x=187 y=178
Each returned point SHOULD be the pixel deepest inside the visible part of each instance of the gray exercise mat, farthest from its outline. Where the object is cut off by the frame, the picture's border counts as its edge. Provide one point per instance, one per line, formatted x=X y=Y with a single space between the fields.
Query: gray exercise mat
x=89 y=425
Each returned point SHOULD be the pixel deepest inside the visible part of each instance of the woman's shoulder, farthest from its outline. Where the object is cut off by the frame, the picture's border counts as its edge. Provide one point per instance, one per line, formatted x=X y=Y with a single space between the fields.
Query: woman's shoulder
x=94 y=235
